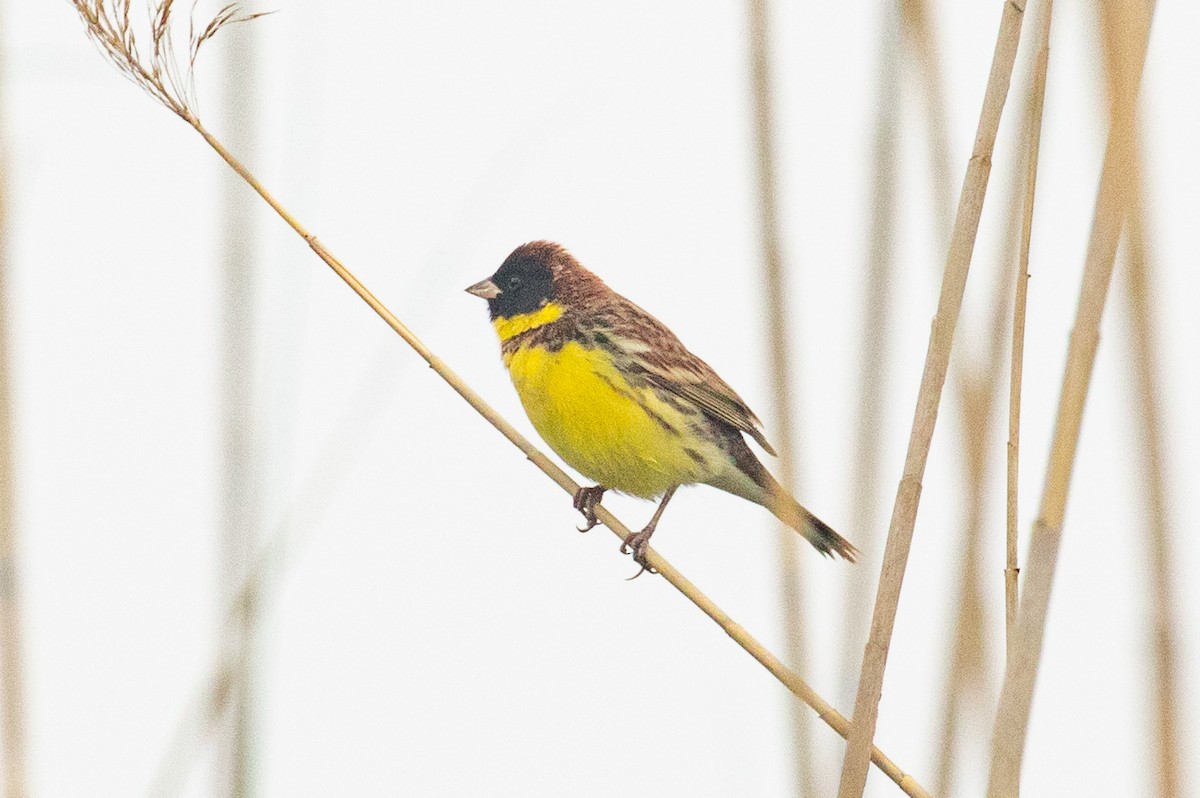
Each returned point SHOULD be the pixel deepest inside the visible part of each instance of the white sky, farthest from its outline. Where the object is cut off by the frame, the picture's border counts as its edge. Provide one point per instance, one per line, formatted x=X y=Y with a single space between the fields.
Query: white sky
x=438 y=629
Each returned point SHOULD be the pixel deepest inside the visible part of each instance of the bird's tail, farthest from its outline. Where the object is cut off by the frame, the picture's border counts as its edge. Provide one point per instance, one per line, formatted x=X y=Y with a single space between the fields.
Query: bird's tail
x=815 y=531
x=752 y=481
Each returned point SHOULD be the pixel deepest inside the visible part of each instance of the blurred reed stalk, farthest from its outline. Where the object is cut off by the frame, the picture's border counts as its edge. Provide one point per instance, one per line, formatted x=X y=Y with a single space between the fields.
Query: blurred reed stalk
x=259 y=574
x=779 y=347
x=975 y=392
x=1160 y=610
x=161 y=77
x=242 y=463
x=1037 y=101
x=978 y=391
x=976 y=387
x=1112 y=204
x=12 y=649
x=1143 y=362
x=908 y=31
x=920 y=38
x=201 y=720
x=876 y=323
x=979 y=388
x=900 y=531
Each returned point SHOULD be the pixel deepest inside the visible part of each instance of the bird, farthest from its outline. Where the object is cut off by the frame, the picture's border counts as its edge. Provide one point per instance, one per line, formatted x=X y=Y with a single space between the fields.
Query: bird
x=619 y=397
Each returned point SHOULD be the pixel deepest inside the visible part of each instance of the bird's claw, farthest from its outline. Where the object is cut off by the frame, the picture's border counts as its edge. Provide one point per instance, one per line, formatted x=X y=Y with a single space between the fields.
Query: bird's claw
x=585 y=501
x=638 y=544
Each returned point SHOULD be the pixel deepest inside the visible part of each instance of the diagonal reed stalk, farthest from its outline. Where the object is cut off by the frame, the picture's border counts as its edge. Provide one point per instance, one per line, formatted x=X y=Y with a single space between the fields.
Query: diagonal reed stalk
x=109 y=26
x=904 y=513
x=791 y=584
x=1112 y=203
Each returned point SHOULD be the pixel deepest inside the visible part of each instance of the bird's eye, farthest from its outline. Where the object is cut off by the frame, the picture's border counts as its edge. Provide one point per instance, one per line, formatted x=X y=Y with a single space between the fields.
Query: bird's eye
x=514 y=281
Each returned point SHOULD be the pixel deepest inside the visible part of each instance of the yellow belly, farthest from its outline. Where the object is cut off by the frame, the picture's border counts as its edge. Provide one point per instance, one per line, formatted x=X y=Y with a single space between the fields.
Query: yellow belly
x=604 y=428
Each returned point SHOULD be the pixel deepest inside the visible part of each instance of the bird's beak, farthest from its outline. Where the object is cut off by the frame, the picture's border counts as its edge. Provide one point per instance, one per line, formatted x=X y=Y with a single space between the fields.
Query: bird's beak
x=485 y=289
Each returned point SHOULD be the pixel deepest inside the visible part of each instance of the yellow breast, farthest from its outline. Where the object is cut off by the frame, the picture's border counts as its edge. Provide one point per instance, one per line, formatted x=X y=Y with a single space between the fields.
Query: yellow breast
x=622 y=437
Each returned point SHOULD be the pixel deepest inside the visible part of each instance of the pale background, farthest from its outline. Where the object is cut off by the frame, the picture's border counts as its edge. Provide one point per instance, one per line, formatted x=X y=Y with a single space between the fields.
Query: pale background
x=437 y=628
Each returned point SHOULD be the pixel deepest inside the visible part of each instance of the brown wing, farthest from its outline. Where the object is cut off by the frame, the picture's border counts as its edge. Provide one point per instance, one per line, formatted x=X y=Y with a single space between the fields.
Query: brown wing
x=698 y=383
x=645 y=348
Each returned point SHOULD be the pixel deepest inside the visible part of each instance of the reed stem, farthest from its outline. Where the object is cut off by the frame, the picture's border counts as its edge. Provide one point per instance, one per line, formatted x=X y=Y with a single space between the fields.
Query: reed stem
x=1016 y=696
x=904 y=512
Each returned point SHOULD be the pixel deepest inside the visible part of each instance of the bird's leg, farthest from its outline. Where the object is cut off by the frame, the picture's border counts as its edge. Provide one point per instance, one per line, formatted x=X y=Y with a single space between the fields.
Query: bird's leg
x=637 y=542
x=585 y=502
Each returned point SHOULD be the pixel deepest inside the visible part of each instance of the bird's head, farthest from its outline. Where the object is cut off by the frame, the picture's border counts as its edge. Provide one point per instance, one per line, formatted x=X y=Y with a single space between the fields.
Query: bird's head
x=532 y=287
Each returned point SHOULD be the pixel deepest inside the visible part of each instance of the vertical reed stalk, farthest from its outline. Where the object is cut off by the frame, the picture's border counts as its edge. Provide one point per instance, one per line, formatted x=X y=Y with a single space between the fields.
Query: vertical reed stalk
x=1112 y=202
x=242 y=466
x=875 y=320
x=978 y=394
x=1037 y=101
x=1143 y=361
x=900 y=531
x=967 y=665
x=1160 y=612
x=920 y=39
x=791 y=585
x=12 y=650
x=257 y=575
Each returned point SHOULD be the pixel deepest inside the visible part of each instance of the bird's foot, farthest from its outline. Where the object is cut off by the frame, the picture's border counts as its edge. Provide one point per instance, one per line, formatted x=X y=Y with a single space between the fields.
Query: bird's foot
x=637 y=544
x=585 y=502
